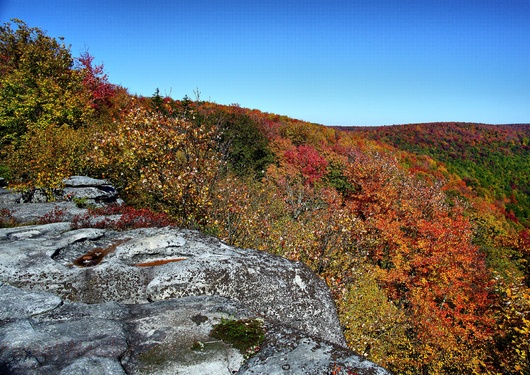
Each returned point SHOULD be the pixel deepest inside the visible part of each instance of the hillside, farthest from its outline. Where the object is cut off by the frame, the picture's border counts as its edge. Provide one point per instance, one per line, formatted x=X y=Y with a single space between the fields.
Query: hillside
x=426 y=264
x=492 y=159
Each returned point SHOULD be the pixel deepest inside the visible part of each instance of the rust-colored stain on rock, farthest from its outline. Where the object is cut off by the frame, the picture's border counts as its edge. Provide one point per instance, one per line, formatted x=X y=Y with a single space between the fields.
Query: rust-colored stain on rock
x=94 y=257
x=159 y=262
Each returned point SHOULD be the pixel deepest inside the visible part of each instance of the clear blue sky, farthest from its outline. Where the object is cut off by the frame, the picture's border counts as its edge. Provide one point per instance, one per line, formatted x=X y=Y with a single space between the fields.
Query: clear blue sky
x=333 y=62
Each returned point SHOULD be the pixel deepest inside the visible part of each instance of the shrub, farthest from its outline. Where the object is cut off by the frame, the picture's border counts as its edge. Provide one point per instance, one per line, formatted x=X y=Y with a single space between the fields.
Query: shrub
x=7 y=220
x=130 y=218
x=46 y=156
x=166 y=164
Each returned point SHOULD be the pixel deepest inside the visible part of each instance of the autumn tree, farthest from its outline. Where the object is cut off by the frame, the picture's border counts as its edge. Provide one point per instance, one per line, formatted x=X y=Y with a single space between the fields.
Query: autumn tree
x=430 y=267
x=95 y=82
x=38 y=87
x=44 y=105
x=511 y=350
x=164 y=163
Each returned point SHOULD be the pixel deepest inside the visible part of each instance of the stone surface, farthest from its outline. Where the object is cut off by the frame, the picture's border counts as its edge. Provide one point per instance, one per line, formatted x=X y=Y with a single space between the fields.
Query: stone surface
x=84 y=181
x=18 y=304
x=288 y=351
x=80 y=189
x=89 y=190
x=41 y=257
x=147 y=296
x=153 y=338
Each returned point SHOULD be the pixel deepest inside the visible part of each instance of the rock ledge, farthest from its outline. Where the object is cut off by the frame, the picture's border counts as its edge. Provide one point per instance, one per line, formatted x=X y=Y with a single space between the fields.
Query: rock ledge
x=98 y=301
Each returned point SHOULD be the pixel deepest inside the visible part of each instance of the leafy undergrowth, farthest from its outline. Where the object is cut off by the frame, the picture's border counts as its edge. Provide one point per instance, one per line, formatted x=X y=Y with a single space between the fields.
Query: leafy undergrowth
x=56 y=215
x=116 y=217
x=129 y=218
x=7 y=220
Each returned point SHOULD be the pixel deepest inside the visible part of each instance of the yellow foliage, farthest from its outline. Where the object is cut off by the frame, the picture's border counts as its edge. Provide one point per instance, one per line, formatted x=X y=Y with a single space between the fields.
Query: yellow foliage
x=45 y=156
x=160 y=162
x=374 y=326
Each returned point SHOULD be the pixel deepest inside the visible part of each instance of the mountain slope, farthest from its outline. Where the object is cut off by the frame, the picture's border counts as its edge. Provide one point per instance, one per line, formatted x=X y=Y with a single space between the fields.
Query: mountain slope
x=492 y=159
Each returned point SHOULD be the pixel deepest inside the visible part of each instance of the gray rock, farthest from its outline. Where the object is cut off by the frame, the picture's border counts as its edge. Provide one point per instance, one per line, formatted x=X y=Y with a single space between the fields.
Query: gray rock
x=9 y=197
x=94 y=366
x=190 y=264
x=171 y=333
x=33 y=212
x=287 y=351
x=28 y=345
x=147 y=297
x=88 y=190
x=84 y=181
x=34 y=196
x=164 y=337
x=17 y=304
x=34 y=231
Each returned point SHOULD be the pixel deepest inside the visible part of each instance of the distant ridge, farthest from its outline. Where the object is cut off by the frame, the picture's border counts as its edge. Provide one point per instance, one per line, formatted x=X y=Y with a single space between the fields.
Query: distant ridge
x=494 y=160
x=436 y=123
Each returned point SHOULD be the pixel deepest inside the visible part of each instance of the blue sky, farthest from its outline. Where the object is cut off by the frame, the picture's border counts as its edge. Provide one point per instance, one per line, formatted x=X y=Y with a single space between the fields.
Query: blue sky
x=334 y=62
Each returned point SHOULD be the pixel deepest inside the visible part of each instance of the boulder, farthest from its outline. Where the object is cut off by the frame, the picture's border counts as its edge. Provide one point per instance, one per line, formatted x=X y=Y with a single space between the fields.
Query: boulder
x=84 y=181
x=153 y=264
x=144 y=301
x=40 y=334
x=82 y=190
x=79 y=193
x=89 y=191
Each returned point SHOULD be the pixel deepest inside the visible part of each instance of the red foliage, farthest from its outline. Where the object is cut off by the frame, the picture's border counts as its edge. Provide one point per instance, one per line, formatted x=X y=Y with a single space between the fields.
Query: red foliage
x=7 y=219
x=130 y=218
x=54 y=216
x=142 y=218
x=96 y=82
x=308 y=161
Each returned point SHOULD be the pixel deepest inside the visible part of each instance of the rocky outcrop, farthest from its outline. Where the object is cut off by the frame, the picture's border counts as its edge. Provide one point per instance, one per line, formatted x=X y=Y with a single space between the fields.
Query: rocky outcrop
x=89 y=190
x=80 y=189
x=99 y=301
x=152 y=264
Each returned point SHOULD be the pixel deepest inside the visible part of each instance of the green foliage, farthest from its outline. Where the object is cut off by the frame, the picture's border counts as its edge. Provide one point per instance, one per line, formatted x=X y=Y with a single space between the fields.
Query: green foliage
x=82 y=203
x=38 y=87
x=157 y=103
x=246 y=334
x=335 y=177
x=245 y=147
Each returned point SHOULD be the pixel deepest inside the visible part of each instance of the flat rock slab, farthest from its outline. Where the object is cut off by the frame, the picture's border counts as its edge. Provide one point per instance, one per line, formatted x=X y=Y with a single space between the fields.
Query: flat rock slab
x=144 y=301
x=84 y=181
x=153 y=264
x=164 y=337
x=115 y=338
x=18 y=303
